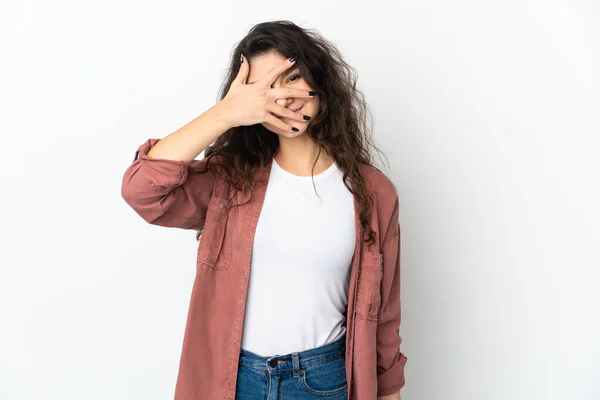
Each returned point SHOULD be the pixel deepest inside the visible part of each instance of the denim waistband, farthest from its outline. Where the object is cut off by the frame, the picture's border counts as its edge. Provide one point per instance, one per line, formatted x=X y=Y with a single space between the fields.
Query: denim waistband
x=296 y=360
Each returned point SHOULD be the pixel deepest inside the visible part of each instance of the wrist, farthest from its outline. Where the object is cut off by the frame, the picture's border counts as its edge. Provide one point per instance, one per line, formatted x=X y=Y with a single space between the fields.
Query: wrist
x=221 y=113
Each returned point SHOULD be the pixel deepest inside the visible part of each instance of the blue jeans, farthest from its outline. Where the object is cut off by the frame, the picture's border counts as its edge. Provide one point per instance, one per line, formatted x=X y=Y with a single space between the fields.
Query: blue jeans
x=318 y=373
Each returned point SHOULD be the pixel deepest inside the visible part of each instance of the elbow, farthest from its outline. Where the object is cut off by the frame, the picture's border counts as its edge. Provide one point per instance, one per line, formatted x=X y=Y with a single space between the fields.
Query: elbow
x=129 y=192
x=145 y=202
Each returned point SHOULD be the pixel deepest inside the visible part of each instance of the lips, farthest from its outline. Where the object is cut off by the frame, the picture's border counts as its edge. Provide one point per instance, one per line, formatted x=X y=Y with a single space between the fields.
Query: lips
x=278 y=117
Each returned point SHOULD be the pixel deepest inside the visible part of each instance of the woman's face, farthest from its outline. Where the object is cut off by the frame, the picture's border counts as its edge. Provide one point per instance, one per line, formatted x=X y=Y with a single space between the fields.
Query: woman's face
x=259 y=66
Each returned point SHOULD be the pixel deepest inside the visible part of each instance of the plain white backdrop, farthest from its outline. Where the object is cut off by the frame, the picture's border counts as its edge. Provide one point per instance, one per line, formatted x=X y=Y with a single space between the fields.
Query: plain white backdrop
x=488 y=112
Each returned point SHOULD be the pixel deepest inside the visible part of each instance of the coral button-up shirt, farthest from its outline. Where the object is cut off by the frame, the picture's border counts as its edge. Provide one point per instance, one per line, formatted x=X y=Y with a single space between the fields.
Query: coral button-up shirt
x=175 y=194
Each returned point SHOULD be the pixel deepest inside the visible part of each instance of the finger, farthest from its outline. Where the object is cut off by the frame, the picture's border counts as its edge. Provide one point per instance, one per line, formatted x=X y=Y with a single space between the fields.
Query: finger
x=286 y=112
x=288 y=92
x=242 y=74
x=277 y=70
x=278 y=123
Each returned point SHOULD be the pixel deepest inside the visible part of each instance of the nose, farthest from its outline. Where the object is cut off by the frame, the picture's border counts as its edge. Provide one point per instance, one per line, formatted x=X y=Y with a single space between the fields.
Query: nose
x=284 y=102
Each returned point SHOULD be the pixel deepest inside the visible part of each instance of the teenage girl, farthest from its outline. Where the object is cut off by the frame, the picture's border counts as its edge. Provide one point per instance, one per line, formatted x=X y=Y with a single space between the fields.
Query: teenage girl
x=290 y=105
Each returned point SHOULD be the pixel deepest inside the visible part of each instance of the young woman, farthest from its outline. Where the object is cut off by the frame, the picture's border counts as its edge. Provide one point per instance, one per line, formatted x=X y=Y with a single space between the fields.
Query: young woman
x=297 y=288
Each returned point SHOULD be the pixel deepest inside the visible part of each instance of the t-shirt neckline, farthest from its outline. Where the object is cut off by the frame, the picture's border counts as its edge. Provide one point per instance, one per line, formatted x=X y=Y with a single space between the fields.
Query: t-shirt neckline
x=318 y=177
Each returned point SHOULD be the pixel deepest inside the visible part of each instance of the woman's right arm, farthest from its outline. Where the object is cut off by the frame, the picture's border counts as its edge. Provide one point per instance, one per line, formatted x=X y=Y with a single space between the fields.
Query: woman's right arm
x=160 y=185
x=186 y=143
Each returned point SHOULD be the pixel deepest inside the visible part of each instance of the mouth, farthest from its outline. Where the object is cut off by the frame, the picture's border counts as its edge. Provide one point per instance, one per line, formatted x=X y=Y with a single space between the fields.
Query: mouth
x=278 y=117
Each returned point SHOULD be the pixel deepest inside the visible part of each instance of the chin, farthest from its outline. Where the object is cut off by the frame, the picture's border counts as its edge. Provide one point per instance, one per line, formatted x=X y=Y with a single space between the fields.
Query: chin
x=281 y=132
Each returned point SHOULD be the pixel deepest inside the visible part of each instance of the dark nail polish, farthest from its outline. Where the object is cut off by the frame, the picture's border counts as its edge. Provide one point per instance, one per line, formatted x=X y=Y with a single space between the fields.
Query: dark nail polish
x=292 y=59
x=242 y=58
x=295 y=129
x=306 y=117
x=311 y=93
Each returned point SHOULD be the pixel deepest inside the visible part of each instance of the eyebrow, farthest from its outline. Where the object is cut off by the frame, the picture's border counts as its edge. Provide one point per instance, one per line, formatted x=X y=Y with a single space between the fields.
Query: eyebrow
x=285 y=73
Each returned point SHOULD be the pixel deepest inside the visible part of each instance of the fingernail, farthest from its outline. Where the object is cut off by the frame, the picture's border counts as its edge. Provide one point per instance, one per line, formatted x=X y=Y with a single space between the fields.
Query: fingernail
x=295 y=129
x=242 y=58
x=292 y=59
x=311 y=93
x=306 y=117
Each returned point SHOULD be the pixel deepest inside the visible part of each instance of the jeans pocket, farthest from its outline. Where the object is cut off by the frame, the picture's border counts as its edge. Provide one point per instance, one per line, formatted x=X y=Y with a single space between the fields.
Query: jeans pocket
x=326 y=379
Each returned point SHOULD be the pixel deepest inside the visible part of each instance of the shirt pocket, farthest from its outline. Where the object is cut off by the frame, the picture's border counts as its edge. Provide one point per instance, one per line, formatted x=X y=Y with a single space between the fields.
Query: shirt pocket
x=215 y=245
x=368 y=294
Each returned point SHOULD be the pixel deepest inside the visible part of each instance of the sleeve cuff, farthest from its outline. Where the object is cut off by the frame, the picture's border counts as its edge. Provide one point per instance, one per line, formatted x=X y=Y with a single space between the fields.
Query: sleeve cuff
x=162 y=173
x=392 y=380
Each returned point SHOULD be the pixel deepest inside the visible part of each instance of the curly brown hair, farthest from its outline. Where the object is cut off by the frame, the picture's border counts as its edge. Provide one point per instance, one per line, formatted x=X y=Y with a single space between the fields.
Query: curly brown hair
x=343 y=127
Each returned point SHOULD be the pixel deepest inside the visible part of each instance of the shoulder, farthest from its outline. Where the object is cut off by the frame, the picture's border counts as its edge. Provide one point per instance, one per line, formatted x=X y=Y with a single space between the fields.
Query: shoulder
x=212 y=164
x=384 y=190
x=386 y=203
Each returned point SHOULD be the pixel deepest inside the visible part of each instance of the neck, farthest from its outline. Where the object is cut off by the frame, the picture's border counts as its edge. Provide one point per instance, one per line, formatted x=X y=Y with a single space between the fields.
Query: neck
x=297 y=156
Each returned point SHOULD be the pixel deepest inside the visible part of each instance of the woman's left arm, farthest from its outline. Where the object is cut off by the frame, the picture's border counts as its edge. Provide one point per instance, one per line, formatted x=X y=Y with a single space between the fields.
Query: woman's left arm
x=390 y=361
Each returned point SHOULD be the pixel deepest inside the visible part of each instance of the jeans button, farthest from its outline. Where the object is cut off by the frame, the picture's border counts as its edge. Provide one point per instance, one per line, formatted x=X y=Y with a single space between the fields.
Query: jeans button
x=273 y=363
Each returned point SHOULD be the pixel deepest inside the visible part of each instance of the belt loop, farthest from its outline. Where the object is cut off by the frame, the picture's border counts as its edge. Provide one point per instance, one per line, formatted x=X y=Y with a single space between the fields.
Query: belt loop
x=296 y=365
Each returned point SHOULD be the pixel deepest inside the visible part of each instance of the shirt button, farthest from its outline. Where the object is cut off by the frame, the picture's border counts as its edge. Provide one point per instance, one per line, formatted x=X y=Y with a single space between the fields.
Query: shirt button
x=273 y=363
x=222 y=205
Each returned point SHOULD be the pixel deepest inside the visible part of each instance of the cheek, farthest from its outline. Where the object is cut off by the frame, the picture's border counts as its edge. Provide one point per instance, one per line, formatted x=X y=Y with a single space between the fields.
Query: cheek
x=314 y=105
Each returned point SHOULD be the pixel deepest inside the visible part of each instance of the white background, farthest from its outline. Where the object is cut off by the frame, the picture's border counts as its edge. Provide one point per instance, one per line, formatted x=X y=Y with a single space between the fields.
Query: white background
x=488 y=112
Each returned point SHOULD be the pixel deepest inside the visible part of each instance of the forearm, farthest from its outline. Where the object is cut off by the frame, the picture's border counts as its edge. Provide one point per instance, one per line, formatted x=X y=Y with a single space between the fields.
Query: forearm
x=395 y=396
x=186 y=143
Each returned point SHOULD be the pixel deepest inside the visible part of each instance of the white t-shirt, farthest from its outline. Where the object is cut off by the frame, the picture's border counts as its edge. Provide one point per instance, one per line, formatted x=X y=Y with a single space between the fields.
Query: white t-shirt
x=300 y=267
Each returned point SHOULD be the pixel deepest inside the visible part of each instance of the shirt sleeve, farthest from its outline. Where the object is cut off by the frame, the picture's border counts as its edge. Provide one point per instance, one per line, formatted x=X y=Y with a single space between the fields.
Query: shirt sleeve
x=167 y=192
x=390 y=360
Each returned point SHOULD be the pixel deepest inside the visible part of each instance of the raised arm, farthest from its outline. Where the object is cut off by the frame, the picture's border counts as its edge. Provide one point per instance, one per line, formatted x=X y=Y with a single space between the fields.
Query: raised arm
x=163 y=184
